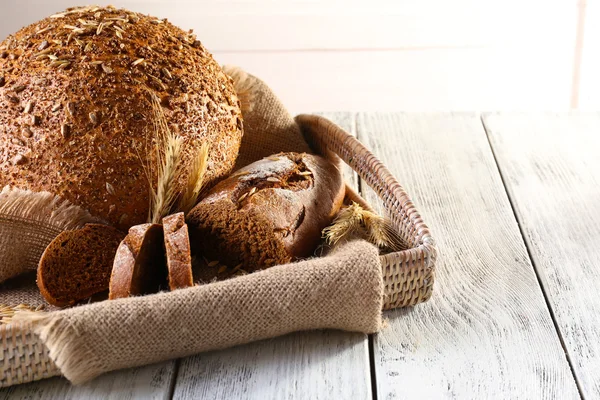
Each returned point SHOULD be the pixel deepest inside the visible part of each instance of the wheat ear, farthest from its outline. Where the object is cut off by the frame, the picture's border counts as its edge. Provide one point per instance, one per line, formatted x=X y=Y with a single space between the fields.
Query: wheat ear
x=169 y=166
x=354 y=221
x=195 y=180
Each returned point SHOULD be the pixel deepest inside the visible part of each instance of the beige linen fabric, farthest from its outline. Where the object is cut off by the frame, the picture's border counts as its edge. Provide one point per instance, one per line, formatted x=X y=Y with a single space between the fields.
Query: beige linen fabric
x=268 y=126
x=341 y=291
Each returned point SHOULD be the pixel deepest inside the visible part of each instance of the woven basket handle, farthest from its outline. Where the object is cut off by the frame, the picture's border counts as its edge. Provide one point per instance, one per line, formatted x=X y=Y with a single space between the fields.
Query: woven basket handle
x=326 y=137
x=408 y=275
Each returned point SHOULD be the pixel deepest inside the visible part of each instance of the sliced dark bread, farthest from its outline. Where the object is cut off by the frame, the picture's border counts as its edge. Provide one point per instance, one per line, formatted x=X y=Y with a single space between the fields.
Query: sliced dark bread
x=139 y=266
x=77 y=264
x=177 y=246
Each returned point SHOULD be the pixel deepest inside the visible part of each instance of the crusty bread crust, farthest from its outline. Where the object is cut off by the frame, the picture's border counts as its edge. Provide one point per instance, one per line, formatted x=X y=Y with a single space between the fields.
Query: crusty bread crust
x=177 y=245
x=75 y=113
x=77 y=264
x=139 y=266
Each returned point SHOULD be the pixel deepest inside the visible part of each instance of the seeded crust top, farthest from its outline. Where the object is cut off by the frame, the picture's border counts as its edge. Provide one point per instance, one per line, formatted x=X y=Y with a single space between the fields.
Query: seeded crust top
x=75 y=111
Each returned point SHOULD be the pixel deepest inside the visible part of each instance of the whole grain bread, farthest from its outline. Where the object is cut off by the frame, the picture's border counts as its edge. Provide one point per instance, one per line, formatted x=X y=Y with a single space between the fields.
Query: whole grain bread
x=77 y=264
x=75 y=112
x=267 y=213
x=177 y=246
x=139 y=265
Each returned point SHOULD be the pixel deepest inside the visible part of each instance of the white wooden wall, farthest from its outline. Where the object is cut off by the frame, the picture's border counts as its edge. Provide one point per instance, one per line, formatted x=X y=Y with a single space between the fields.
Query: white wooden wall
x=411 y=55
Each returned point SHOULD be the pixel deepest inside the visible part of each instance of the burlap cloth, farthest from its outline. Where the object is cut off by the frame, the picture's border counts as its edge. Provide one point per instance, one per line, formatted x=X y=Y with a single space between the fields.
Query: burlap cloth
x=343 y=290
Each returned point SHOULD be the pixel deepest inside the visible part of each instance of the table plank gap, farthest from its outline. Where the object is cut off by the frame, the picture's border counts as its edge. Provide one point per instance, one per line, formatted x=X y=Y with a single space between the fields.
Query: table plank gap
x=176 y=366
x=487 y=331
x=303 y=365
x=373 y=367
x=532 y=258
x=552 y=171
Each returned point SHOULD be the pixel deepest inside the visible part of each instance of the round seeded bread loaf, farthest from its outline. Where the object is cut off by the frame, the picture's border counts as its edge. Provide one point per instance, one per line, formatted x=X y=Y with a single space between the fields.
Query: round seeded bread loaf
x=75 y=110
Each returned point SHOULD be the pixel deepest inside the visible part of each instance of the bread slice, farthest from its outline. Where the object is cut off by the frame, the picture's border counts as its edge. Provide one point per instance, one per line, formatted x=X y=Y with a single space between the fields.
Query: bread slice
x=77 y=264
x=177 y=246
x=139 y=266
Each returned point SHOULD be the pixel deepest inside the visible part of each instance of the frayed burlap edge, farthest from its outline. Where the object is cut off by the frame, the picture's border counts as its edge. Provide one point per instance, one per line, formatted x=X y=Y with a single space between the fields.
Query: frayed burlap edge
x=29 y=221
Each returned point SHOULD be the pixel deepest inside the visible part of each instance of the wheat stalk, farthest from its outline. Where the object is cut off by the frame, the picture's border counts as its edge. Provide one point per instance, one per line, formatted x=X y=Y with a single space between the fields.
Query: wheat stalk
x=169 y=166
x=356 y=222
x=195 y=180
x=382 y=233
x=346 y=224
x=169 y=154
x=7 y=313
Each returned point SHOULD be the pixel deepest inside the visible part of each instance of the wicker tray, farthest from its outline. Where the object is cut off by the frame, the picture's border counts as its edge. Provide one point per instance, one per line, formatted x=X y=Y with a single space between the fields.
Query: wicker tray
x=408 y=275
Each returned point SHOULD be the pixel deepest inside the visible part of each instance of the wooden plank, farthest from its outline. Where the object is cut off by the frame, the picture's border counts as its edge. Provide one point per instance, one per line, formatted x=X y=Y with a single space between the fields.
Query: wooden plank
x=467 y=79
x=551 y=167
x=150 y=382
x=304 y=365
x=266 y=25
x=486 y=332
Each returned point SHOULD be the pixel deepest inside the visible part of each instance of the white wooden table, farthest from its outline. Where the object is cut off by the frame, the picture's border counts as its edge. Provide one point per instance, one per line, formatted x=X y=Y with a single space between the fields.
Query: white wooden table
x=514 y=203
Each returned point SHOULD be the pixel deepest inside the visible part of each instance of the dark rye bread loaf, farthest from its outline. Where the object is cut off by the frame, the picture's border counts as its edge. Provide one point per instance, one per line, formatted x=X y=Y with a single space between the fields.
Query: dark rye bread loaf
x=267 y=213
x=77 y=264
x=177 y=246
x=139 y=265
x=75 y=112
